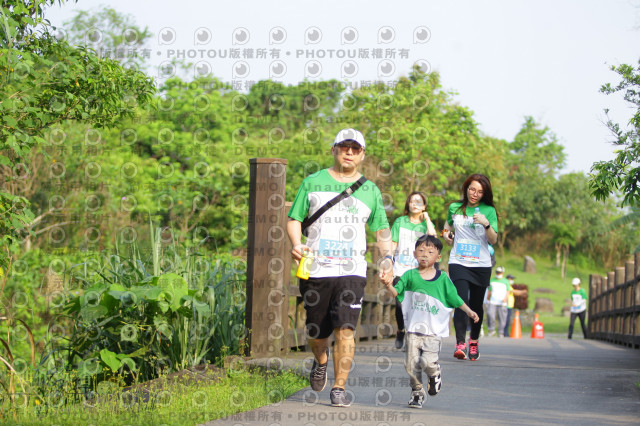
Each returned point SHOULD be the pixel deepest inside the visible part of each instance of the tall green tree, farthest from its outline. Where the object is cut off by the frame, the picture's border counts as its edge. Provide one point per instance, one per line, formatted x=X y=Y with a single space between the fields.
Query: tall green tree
x=43 y=82
x=535 y=159
x=623 y=172
x=110 y=33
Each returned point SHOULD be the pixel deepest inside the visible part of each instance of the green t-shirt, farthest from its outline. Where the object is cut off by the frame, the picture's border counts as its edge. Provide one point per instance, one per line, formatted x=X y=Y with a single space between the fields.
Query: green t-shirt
x=579 y=301
x=427 y=305
x=338 y=238
x=406 y=233
x=500 y=289
x=470 y=249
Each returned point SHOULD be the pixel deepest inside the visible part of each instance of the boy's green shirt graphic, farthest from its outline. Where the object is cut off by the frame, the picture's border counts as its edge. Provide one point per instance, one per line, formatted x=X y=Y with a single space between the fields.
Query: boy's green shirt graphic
x=426 y=305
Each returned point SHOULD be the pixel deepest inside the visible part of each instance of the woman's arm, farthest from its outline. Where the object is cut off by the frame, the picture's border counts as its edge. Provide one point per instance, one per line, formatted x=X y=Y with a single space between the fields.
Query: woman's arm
x=431 y=230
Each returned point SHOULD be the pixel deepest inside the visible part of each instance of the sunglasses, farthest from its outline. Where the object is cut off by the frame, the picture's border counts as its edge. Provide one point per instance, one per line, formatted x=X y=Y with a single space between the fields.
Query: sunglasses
x=355 y=148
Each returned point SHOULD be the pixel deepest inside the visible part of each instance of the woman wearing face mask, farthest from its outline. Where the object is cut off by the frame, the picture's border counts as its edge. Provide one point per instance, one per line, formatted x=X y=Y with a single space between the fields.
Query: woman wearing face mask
x=474 y=222
x=405 y=231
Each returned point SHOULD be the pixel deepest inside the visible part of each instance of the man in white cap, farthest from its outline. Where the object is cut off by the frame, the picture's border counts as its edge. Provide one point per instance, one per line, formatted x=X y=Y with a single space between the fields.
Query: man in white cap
x=334 y=290
x=578 y=306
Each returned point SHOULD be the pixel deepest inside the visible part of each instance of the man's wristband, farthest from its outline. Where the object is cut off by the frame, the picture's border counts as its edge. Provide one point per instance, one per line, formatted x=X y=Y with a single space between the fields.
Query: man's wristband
x=488 y=226
x=389 y=257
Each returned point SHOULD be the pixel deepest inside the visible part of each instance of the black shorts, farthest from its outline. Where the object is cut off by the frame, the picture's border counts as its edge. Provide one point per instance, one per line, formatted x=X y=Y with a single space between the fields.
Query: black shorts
x=332 y=302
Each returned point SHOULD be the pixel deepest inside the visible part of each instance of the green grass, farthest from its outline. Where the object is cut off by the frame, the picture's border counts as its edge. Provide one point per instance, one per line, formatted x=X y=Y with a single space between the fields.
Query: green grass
x=548 y=276
x=177 y=405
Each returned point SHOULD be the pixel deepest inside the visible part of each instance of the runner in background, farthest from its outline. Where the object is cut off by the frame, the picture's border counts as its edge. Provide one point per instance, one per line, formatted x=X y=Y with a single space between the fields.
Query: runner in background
x=406 y=230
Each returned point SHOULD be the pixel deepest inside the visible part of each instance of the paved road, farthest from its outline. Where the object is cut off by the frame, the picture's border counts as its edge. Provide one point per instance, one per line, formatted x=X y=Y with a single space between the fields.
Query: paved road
x=524 y=381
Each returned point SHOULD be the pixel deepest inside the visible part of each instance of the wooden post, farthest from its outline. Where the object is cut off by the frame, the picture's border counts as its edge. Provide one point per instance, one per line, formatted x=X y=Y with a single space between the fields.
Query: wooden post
x=592 y=305
x=635 y=319
x=637 y=286
x=618 y=302
x=628 y=299
x=266 y=257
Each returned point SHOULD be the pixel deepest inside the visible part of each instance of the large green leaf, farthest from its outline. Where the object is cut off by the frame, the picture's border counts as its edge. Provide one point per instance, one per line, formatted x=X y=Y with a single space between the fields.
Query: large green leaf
x=111 y=299
x=91 y=313
x=111 y=359
x=147 y=292
x=174 y=288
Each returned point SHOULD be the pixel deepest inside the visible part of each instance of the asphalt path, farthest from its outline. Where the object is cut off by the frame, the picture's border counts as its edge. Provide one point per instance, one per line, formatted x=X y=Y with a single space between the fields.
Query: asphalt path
x=515 y=381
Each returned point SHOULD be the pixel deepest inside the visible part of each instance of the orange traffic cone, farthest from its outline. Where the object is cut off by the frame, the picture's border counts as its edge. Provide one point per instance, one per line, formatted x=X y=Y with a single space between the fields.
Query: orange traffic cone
x=537 y=331
x=516 y=330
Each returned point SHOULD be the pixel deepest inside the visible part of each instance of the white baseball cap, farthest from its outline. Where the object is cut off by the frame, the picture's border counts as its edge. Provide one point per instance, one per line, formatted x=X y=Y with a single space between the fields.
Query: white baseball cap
x=575 y=281
x=345 y=135
x=499 y=270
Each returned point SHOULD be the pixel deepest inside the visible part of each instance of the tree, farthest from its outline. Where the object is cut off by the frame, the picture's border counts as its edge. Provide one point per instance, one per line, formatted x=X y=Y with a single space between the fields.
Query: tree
x=112 y=34
x=623 y=172
x=534 y=158
x=43 y=82
x=565 y=236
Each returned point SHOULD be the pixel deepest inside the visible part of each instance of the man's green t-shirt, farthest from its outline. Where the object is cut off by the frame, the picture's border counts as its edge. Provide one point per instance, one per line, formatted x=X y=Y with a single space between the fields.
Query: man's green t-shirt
x=579 y=301
x=338 y=238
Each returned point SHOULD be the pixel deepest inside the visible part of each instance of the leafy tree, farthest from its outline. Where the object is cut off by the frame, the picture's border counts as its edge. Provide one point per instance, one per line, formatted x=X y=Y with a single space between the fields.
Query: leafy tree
x=565 y=236
x=44 y=82
x=623 y=172
x=111 y=33
x=536 y=156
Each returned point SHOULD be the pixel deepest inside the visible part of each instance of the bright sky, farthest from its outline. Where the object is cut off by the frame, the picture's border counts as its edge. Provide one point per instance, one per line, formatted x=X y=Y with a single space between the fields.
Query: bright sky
x=504 y=59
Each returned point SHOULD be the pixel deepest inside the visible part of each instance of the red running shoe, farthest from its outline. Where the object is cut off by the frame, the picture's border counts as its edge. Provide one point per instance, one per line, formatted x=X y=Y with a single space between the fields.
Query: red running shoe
x=460 y=352
x=474 y=354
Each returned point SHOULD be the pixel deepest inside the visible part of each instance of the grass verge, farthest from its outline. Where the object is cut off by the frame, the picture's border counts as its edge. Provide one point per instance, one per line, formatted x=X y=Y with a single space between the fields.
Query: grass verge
x=178 y=404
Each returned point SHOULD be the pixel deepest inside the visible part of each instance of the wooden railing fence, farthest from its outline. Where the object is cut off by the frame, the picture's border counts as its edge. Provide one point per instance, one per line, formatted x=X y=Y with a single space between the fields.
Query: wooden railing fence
x=275 y=314
x=614 y=305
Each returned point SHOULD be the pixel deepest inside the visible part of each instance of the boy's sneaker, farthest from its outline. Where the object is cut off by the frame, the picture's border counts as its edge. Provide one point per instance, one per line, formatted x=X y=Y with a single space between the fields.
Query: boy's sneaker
x=339 y=398
x=435 y=383
x=399 y=339
x=474 y=354
x=318 y=376
x=460 y=352
x=417 y=399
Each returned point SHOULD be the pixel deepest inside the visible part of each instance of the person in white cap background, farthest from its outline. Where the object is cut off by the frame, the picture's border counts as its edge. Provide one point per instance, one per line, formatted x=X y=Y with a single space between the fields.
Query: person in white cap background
x=578 y=306
x=497 y=297
x=334 y=290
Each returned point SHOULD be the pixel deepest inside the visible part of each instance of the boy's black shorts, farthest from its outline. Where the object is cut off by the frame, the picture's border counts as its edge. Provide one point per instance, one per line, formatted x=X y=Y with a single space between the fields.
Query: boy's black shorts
x=332 y=302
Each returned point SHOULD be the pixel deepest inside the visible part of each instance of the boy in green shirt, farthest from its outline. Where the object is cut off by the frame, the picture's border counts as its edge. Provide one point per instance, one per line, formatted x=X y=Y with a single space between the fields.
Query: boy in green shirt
x=428 y=297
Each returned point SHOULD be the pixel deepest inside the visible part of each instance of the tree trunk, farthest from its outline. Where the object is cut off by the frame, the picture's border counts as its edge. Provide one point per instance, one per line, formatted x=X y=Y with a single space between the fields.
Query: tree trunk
x=565 y=255
x=502 y=237
x=558 y=249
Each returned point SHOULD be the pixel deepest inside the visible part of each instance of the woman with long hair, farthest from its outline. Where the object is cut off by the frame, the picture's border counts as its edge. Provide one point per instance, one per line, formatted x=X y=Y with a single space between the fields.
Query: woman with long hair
x=406 y=230
x=474 y=222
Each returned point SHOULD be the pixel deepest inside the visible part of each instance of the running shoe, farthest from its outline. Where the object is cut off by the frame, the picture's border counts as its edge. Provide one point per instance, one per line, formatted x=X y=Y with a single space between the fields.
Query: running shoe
x=339 y=398
x=474 y=353
x=460 y=352
x=318 y=376
x=417 y=399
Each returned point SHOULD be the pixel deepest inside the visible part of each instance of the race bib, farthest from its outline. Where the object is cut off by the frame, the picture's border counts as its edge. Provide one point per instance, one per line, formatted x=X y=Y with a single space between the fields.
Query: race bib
x=405 y=260
x=335 y=252
x=468 y=250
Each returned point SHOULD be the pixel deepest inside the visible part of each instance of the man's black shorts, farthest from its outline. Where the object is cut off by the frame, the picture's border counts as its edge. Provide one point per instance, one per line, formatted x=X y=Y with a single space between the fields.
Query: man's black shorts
x=332 y=302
